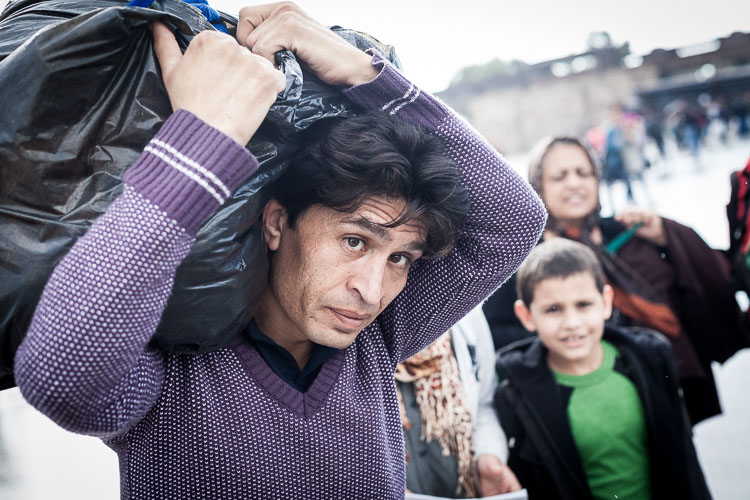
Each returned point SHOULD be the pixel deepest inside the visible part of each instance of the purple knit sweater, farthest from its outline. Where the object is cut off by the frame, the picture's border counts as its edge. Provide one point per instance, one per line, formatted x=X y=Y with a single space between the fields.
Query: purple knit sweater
x=223 y=425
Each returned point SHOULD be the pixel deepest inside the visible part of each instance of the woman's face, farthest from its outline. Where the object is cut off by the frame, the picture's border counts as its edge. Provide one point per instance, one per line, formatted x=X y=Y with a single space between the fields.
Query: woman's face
x=569 y=187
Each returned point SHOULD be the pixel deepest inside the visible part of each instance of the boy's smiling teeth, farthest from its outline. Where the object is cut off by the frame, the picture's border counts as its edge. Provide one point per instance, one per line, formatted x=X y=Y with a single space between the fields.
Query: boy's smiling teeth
x=573 y=338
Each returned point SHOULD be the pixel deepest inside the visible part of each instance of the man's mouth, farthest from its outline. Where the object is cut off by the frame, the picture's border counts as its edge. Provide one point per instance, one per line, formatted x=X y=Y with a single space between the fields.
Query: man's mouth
x=350 y=320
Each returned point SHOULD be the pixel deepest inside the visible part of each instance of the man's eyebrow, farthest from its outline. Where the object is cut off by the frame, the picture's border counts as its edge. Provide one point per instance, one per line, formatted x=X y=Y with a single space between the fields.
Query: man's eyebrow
x=381 y=232
x=369 y=226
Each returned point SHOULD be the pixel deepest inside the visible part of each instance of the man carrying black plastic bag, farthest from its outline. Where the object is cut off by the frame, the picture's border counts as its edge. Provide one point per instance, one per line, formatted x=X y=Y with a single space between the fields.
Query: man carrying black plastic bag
x=82 y=96
x=304 y=405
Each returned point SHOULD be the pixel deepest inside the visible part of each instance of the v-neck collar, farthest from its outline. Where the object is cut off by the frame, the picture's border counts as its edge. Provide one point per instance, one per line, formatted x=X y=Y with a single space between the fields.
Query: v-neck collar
x=283 y=363
x=304 y=405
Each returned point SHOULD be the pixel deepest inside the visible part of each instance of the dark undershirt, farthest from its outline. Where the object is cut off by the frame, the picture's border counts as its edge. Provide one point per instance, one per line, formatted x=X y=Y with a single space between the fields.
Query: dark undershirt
x=283 y=363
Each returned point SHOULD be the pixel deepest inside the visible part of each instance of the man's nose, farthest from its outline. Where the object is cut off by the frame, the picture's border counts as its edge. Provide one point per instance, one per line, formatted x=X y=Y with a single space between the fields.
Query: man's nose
x=367 y=280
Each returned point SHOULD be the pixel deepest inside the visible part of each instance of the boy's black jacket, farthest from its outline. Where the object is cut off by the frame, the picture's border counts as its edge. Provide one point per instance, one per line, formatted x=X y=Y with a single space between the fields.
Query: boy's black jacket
x=543 y=454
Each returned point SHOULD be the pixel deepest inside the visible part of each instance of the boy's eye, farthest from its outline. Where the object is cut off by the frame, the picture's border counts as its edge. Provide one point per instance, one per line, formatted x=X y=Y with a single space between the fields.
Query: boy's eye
x=552 y=309
x=583 y=304
x=354 y=243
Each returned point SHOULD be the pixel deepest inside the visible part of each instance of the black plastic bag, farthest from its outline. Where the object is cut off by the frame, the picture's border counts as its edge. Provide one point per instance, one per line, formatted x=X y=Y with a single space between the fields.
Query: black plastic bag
x=80 y=99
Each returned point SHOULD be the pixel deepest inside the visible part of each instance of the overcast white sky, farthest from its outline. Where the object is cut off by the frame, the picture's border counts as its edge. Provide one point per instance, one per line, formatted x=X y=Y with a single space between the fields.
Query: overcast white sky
x=436 y=38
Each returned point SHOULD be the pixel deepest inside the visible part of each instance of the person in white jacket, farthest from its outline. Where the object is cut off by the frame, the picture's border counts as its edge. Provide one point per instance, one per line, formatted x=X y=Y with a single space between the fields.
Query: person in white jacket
x=455 y=445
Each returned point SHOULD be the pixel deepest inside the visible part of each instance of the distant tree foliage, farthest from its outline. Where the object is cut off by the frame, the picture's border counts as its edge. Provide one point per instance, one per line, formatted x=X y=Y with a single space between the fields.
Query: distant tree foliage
x=480 y=72
x=598 y=40
x=494 y=68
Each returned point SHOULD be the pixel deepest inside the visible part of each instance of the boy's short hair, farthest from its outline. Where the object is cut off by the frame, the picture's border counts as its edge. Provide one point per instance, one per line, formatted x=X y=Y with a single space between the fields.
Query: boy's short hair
x=345 y=161
x=556 y=258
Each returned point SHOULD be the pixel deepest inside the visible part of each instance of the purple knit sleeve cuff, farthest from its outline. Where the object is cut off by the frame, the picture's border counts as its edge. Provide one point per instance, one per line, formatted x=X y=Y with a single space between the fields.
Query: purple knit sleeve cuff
x=189 y=169
x=391 y=92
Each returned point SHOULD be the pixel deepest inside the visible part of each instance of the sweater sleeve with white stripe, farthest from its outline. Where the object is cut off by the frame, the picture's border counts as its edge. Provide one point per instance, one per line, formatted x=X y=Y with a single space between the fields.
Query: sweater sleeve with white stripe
x=85 y=362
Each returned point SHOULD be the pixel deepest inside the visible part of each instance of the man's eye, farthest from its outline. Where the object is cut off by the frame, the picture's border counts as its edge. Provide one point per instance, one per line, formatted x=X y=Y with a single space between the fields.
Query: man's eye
x=400 y=260
x=354 y=243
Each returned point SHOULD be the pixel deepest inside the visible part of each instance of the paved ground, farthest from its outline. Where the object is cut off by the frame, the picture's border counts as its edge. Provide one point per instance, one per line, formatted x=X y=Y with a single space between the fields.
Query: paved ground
x=40 y=461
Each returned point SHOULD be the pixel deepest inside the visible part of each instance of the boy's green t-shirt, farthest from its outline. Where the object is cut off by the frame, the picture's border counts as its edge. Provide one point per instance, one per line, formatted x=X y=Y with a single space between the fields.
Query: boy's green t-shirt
x=609 y=428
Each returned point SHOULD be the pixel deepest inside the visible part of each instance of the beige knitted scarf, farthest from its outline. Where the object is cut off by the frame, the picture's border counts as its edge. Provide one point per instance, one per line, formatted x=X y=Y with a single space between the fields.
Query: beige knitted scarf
x=442 y=405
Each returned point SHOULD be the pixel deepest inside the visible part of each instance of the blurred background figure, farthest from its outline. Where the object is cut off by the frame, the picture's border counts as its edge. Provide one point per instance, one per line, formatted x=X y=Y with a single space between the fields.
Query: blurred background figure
x=624 y=158
x=692 y=128
x=633 y=154
x=450 y=426
x=738 y=215
x=655 y=132
x=613 y=166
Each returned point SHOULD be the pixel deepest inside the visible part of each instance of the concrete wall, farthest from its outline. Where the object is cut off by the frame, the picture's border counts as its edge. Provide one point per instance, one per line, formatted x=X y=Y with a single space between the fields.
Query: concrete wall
x=513 y=119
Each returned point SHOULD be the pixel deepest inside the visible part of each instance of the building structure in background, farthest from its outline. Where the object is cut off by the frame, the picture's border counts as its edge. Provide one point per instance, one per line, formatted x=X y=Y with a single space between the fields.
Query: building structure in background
x=516 y=106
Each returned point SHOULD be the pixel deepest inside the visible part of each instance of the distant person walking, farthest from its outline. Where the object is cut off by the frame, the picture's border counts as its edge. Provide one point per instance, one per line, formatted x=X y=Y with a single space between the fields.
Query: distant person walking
x=633 y=157
x=613 y=168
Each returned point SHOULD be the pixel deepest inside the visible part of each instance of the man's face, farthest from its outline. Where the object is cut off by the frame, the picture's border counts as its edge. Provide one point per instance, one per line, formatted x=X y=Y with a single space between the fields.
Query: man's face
x=334 y=272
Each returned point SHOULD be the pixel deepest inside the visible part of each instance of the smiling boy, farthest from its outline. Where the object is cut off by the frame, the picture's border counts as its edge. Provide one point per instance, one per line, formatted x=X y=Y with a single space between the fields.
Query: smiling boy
x=590 y=411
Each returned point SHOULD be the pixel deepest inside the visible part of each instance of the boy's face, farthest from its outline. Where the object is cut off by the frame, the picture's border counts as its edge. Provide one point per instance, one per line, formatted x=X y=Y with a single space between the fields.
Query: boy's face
x=568 y=314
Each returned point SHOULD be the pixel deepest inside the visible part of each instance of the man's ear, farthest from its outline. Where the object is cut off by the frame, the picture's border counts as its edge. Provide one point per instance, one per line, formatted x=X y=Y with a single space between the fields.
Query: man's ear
x=608 y=295
x=274 y=222
x=524 y=315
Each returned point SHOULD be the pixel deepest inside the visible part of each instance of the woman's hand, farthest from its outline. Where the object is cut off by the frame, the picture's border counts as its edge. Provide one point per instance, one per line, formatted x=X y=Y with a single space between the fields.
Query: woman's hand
x=495 y=478
x=652 y=229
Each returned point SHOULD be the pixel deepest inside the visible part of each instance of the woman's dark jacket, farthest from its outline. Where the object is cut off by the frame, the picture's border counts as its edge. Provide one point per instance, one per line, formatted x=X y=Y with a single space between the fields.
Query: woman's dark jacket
x=542 y=452
x=695 y=281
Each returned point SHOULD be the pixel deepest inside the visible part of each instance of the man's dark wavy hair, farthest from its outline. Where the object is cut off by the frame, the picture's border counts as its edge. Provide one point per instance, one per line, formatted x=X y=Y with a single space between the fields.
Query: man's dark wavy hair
x=345 y=161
